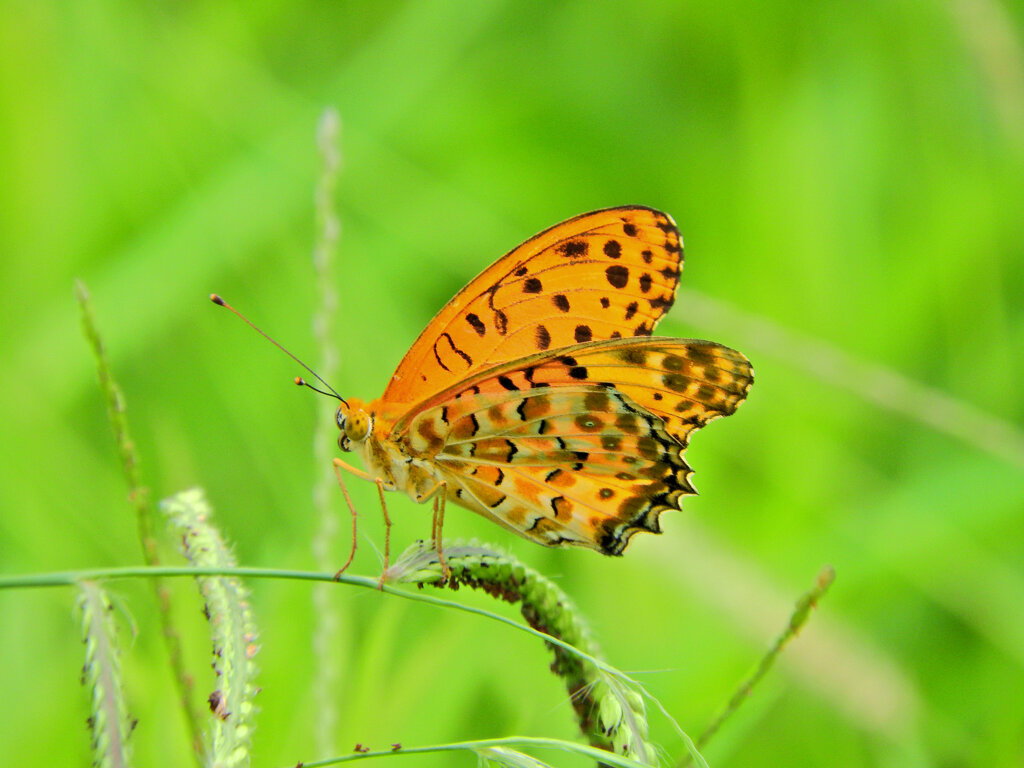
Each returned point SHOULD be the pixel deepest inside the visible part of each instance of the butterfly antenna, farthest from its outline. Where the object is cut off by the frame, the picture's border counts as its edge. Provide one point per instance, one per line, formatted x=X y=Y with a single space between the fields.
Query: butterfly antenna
x=301 y=382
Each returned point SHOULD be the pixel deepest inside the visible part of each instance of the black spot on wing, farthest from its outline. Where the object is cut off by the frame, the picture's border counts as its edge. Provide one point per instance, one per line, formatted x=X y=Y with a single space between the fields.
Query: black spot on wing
x=478 y=325
x=572 y=248
x=501 y=321
x=634 y=356
x=542 y=337
x=706 y=394
x=617 y=275
x=700 y=355
x=661 y=303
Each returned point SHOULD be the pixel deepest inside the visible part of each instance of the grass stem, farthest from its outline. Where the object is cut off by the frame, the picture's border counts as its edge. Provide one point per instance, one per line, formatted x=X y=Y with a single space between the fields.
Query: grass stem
x=138 y=497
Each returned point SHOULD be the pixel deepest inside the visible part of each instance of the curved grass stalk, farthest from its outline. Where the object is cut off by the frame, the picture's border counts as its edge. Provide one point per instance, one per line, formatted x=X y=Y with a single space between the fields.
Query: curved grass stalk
x=65 y=578
x=504 y=751
x=611 y=713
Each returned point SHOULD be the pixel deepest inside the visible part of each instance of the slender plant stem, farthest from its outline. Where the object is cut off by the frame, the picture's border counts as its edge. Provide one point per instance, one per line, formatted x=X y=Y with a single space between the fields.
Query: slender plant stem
x=482 y=745
x=801 y=613
x=326 y=608
x=68 y=578
x=138 y=497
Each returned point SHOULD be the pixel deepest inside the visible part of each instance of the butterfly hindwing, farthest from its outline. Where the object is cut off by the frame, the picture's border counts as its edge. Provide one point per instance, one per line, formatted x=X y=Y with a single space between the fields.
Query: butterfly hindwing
x=580 y=447
x=601 y=275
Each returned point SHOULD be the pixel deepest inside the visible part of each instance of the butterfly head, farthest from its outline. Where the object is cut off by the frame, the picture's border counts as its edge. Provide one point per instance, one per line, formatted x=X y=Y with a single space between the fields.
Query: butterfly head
x=354 y=422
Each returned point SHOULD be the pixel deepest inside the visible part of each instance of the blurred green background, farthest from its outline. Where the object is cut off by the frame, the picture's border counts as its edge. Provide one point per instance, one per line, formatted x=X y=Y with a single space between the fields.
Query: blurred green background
x=849 y=180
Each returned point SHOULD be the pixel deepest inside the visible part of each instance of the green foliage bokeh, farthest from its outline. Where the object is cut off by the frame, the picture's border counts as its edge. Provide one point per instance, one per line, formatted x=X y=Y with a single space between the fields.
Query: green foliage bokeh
x=849 y=172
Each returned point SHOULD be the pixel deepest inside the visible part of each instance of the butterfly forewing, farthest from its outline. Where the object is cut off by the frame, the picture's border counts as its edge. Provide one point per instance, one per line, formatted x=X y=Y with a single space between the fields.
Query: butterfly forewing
x=601 y=275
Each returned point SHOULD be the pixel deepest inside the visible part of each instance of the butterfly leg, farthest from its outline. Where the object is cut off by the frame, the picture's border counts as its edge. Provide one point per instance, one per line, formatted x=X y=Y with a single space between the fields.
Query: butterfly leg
x=338 y=466
x=387 y=532
x=435 y=534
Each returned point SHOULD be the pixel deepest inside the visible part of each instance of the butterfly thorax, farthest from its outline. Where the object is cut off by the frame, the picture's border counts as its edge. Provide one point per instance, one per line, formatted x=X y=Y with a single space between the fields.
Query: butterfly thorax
x=365 y=429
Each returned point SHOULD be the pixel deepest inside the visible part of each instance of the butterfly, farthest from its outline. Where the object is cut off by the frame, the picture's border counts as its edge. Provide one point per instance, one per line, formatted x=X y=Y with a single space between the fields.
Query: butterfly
x=538 y=398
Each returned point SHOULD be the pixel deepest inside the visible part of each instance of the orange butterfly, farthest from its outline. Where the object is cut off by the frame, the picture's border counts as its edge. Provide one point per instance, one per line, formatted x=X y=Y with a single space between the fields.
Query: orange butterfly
x=538 y=398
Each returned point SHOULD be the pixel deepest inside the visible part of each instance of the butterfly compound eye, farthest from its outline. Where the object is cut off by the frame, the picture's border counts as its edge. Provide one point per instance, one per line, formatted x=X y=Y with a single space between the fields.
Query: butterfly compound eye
x=358 y=425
